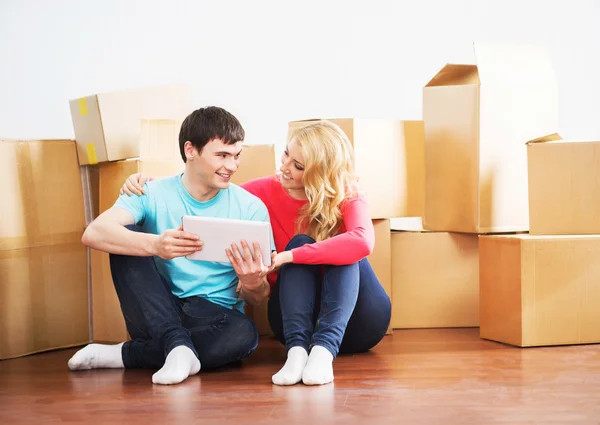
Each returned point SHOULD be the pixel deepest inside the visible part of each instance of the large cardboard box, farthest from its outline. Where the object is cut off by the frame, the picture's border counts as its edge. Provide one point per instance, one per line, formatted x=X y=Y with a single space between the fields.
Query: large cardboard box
x=477 y=121
x=43 y=298
x=108 y=324
x=540 y=290
x=389 y=150
x=107 y=125
x=43 y=266
x=42 y=200
x=435 y=277
x=255 y=161
x=159 y=140
x=381 y=258
x=564 y=186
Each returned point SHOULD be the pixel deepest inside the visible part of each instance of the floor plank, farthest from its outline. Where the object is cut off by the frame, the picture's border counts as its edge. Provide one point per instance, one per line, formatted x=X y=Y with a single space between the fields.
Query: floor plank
x=415 y=376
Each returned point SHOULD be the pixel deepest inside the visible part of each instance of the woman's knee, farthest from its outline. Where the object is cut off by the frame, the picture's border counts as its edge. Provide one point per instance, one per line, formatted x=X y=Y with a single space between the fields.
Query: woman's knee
x=299 y=240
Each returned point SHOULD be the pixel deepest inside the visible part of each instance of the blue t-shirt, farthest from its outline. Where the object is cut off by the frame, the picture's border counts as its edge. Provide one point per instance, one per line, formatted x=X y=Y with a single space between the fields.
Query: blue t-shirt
x=161 y=208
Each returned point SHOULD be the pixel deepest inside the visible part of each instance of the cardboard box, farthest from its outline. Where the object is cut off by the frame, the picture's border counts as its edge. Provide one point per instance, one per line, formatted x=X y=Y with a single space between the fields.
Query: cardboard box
x=435 y=277
x=159 y=140
x=477 y=120
x=540 y=290
x=107 y=125
x=564 y=186
x=44 y=299
x=256 y=161
x=259 y=314
x=381 y=258
x=43 y=266
x=393 y=149
x=108 y=324
x=41 y=193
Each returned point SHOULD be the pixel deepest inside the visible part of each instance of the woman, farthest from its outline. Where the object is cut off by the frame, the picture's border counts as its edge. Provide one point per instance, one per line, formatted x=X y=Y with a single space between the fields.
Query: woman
x=325 y=298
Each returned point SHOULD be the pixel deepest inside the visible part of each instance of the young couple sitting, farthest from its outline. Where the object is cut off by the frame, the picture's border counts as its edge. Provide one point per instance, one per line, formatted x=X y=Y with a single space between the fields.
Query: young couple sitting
x=183 y=315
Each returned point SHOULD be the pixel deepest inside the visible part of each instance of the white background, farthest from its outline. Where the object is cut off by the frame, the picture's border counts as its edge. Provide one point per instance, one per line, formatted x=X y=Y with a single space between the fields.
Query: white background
x=270 y=62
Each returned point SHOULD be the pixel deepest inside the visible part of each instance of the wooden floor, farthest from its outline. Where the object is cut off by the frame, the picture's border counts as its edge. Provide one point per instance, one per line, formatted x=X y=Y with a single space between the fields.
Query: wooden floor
x=413 y=377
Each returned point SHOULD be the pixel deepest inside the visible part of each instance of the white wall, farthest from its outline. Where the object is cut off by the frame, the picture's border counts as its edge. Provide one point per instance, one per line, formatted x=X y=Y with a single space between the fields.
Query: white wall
x=274 y=61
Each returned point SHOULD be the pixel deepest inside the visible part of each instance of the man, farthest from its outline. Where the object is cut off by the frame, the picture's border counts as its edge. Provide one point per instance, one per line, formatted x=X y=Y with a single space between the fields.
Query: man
x=181 y=314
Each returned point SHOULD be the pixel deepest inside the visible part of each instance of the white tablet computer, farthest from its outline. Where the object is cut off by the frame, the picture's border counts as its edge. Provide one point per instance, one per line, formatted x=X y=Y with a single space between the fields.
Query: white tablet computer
x=218 y=234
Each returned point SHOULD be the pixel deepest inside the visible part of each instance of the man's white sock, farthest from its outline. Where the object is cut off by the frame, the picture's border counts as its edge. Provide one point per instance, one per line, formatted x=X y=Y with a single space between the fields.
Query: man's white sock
x=319 y=368
x=291 y=372
x=180 y=363
x=97 y=356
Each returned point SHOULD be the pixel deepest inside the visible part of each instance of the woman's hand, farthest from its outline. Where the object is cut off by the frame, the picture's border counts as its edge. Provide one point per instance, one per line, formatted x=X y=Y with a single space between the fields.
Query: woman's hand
x=280 y=259
x=134 y=184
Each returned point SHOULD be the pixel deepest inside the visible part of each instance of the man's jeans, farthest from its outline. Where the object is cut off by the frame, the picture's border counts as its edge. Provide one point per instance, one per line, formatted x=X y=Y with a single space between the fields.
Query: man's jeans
x=342 y=308
x=157 y=321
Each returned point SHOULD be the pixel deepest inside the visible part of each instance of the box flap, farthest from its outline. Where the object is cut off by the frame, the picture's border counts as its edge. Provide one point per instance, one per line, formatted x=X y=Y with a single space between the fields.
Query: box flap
x=504 y=63
x=407 y=224
x=548 y=138
x=306 y=120
x=455 y=75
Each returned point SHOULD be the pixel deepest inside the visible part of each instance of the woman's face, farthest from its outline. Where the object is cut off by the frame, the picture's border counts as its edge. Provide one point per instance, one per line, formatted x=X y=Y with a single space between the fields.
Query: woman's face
x=292 y=167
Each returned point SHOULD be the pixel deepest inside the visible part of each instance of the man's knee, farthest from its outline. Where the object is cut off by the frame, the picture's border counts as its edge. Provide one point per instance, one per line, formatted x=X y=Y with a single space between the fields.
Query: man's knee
x=299 y=240
x=242 y=341
x=238 y=342
x=248 y=337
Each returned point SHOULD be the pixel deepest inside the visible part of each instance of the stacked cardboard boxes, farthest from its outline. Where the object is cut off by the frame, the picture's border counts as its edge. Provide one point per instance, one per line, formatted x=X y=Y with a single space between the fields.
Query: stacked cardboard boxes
x=477 y=119
x=43 y=265
x=543 y=288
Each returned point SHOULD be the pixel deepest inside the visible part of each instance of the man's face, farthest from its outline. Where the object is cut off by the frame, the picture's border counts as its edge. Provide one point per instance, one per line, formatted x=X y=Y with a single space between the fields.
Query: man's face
x=217 y=163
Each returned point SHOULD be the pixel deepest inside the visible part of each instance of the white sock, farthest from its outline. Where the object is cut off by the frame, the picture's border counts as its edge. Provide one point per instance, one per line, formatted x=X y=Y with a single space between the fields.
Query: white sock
x=319 y=369
x=180 y=363
x=97 y=356
x=291 y=372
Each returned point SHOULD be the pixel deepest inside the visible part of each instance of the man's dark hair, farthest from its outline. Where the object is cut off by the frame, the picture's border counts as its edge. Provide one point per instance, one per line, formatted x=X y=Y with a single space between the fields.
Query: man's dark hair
x=206 y=124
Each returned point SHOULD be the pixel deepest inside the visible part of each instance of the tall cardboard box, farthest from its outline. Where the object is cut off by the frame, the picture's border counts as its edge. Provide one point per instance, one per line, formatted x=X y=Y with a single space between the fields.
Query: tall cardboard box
x=388 y=148
x=435 y=277
x=108 y=324
x=43 y=265
x=540 y=290
x=159 y=140
x=477 y=121
x=255 y=161
x=107 y=125
x=381 y=258
x=564 y=186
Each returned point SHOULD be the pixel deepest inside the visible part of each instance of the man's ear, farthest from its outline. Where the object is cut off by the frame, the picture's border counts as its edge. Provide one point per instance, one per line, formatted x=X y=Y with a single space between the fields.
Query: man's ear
x=190 y=150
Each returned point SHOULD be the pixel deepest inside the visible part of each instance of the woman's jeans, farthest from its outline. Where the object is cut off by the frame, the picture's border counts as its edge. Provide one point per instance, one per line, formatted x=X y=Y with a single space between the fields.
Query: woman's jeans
x=157 y=321
x=342 y=308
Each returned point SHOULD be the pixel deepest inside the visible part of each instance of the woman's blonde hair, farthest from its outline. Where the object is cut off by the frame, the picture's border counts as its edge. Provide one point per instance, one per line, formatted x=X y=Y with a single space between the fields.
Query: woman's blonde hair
x=329 y=177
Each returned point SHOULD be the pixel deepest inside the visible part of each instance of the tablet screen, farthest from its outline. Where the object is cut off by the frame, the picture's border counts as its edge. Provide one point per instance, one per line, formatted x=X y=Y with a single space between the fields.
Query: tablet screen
x=218 y=234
